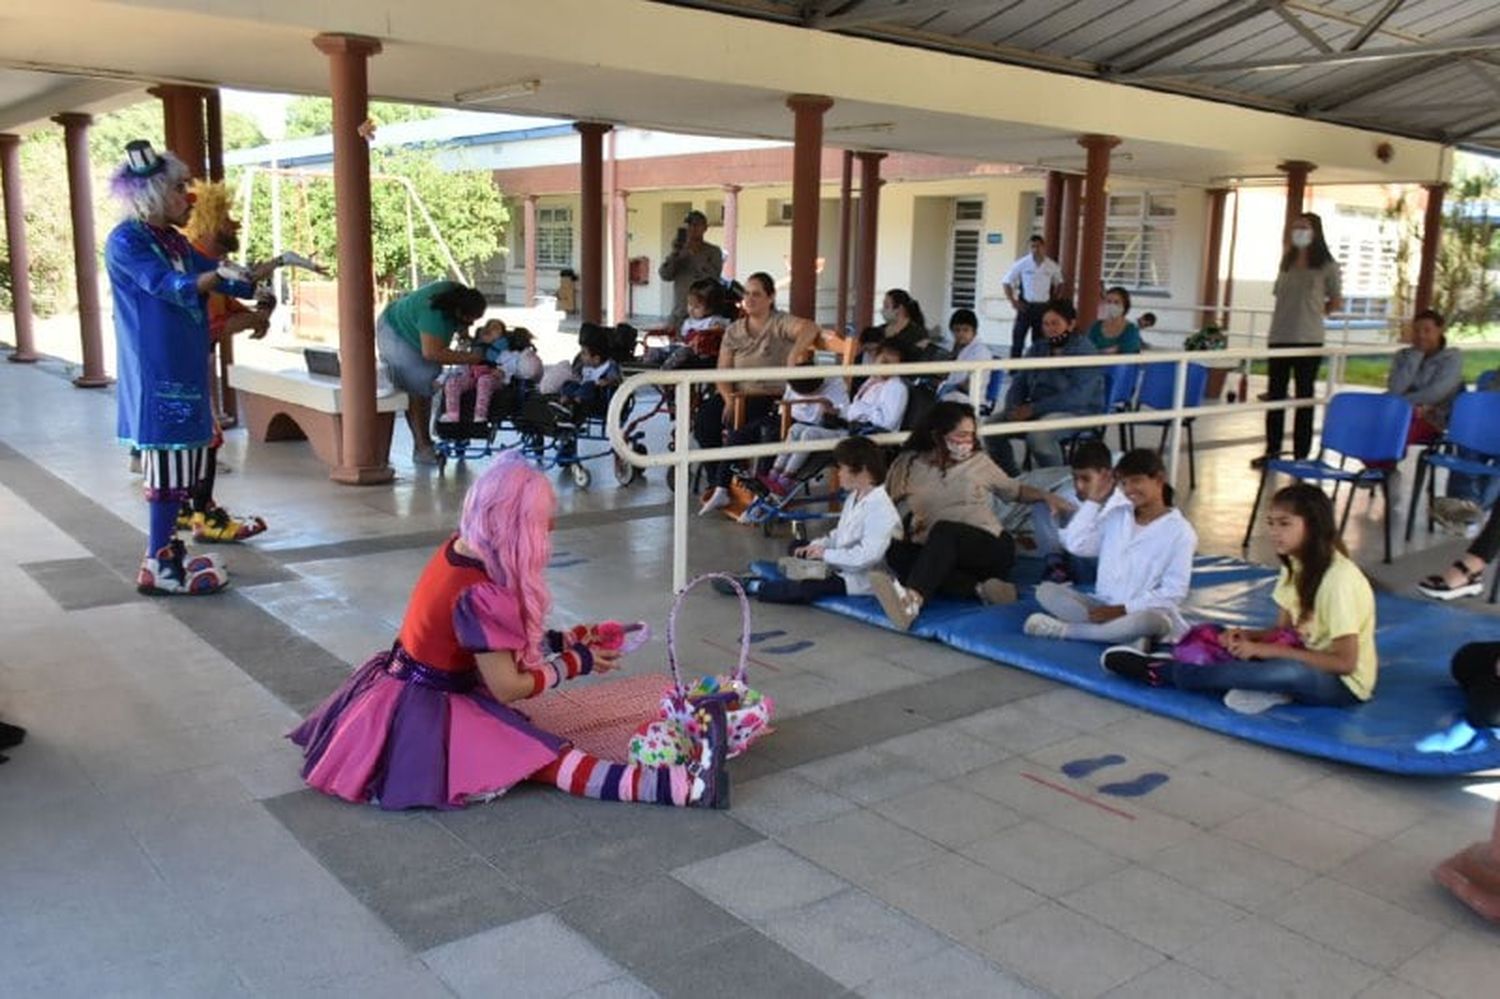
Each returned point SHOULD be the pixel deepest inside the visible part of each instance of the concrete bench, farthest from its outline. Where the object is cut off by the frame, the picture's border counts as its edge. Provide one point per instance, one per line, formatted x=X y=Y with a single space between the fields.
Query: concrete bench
x=293 y=405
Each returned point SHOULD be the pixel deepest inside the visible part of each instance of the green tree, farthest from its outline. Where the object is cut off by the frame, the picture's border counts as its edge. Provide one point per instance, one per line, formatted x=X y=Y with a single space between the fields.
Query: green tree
x=466 y=208
x=308 y=116
x=1468 y=255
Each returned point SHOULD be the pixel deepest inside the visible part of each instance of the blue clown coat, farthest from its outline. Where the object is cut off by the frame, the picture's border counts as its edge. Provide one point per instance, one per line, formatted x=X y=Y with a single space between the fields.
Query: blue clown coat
x=161 y=339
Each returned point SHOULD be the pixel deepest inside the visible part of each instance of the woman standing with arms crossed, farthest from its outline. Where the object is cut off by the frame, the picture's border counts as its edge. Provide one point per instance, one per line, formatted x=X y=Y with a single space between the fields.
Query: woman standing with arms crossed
x=1307 y=289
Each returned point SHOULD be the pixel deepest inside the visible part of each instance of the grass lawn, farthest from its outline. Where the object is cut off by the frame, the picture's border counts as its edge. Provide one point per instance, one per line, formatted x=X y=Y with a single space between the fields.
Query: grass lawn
x=1373 y=370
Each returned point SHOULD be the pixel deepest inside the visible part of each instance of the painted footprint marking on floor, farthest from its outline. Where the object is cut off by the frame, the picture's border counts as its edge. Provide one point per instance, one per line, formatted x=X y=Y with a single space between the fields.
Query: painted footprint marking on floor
x=779 y=650
x=1078 y=769
x=1133 y=788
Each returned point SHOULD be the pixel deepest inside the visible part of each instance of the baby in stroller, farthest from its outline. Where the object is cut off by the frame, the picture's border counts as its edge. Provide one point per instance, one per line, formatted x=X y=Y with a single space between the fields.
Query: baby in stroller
x=509 y=355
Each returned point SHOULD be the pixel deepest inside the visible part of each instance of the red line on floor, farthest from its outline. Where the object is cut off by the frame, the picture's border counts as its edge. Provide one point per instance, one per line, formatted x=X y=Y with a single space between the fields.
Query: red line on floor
x=736 y=652
x=1078 y=797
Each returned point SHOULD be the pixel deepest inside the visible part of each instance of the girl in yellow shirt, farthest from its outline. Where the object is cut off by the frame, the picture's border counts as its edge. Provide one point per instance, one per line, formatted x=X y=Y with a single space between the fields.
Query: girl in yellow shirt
x=1321 y=594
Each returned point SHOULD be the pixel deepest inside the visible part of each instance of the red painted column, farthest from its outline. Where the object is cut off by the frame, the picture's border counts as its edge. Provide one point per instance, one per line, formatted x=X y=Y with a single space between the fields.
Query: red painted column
x=528 y=235
x=1095 y=213
x=215 y=136
x=807 y=183
x=1432 y=236
x=1296 y=188
x=846 y=224
x=619 y=231
x=85 y=248
x=591 y=219
x=866 y=293
x=182 y=110
x=1209 y=297
x=731 y=245
x=1067 y=240
x=1052 y=211
x=20 y=256
x=363 y=460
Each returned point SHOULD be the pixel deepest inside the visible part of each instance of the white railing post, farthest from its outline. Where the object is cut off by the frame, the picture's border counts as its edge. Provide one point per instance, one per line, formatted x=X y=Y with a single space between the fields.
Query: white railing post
x=683 y=484
x=1179 y=398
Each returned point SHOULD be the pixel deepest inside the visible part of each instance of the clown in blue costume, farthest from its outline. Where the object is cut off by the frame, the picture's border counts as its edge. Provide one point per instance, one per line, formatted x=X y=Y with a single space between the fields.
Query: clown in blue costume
x=159 y=283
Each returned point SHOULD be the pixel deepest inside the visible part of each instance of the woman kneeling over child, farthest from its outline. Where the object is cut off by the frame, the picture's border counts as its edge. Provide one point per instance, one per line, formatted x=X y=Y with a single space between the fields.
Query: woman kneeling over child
x=1145 y=549
x=1322 y=649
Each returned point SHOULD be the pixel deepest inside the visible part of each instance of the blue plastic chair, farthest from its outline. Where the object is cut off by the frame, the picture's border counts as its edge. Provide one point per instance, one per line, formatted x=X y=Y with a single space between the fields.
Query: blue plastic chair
x=1371 y=428
x=993 y=392
x=1120 y=384
x=1474 y=426
x=1157 y=391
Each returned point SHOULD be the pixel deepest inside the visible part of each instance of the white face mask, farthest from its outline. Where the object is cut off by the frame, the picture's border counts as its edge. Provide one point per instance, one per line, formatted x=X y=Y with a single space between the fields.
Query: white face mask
x=1113 y=311
x=888 y=314
x=960 y=452
x=1302 y=238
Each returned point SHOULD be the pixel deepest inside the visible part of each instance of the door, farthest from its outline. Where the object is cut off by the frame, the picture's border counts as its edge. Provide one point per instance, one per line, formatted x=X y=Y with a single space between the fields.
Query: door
x=965 y=240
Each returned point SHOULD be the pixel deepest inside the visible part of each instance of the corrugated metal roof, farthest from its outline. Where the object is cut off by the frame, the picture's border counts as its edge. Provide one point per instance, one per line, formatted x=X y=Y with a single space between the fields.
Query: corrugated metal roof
x=1429 y=69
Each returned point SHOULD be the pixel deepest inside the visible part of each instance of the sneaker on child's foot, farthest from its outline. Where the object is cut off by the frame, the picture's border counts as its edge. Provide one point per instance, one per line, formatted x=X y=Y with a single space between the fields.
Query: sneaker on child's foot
x=168 y=573
x=185 y=517
x=1059 y=569
x=900 y=604
x=1044 y=626
x=750 y=584
x=710 y=787
x=218 y=527
x=1133 y=664
x=995 y=592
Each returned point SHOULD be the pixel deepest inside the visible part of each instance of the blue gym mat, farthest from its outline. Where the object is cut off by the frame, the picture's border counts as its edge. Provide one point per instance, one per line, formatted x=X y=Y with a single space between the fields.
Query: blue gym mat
x=1413 y=725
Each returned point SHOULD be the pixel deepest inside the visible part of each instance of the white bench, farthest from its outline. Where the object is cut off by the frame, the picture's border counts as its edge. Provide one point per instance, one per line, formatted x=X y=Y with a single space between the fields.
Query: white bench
x=293 y=405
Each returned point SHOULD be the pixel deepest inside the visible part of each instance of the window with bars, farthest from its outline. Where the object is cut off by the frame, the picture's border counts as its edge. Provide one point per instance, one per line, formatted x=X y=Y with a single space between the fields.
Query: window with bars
x=1363 y=241
x=554 y=236
x=963 y=269
x=1138 y=240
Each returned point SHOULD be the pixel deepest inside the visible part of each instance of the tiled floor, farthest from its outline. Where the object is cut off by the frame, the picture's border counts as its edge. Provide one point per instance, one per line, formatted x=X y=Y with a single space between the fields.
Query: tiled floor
x=910 y=830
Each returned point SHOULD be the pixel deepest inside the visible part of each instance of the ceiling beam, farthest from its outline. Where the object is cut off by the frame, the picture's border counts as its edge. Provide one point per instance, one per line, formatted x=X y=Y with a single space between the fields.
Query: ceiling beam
x=1372 y=25
x=1198 y=29
x=1300 y=26
x=877 y=11
x=1473 y=127
x=1480 y=43
x=1374 y=83
x=1483 y=75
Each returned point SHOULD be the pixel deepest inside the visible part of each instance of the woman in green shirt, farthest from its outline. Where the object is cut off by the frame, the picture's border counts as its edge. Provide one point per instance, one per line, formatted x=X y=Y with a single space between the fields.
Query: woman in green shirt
x=414 y=336
x=1112 y=333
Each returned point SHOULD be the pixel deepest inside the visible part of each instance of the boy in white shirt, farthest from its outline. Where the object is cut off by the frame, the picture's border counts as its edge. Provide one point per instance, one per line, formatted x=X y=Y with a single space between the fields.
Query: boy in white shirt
x=1145 y=549
x=856 y=545
x=966 y=347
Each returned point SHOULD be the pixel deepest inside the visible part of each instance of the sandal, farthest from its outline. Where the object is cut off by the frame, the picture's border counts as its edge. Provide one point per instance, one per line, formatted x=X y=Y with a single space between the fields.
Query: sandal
x=1438 y=588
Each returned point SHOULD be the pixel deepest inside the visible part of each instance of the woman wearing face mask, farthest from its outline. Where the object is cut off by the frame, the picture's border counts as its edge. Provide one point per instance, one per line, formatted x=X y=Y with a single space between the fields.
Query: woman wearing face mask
x=1307 y=289
x=1112 y=333
x=903 y=322
x=953 y=544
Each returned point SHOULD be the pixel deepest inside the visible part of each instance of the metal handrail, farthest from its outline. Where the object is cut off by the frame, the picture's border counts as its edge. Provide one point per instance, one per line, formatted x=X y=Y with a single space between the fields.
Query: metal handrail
x=682 y=380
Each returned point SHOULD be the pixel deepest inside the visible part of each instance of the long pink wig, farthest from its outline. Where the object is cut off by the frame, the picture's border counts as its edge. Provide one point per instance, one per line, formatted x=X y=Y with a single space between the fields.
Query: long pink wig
x=507 y=520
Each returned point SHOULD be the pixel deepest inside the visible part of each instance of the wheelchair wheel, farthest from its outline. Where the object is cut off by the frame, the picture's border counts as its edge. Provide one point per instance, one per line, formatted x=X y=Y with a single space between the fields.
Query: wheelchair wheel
x=625 y=472
x=581 y=476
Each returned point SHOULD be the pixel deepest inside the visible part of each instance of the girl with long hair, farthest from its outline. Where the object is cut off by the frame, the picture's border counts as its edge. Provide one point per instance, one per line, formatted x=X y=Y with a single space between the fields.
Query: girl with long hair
x=1322 y=648
x=430 y=723
x=903 y=321
x=1308 y=288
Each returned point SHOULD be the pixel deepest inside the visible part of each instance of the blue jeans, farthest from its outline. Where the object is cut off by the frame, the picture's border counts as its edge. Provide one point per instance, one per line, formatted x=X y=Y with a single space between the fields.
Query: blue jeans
x=1481 y=489
x=1305 y=684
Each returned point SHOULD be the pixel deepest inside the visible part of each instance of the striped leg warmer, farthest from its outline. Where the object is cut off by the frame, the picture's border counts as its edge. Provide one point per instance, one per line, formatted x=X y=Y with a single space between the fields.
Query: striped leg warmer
x=587 y=776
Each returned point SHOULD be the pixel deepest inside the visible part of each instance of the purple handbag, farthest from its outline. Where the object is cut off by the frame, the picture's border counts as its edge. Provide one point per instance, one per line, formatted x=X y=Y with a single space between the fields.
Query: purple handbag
x=1203 y=645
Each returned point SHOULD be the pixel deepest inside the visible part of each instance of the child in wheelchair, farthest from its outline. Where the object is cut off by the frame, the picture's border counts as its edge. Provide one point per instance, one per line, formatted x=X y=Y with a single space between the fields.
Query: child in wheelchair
x=510 y=355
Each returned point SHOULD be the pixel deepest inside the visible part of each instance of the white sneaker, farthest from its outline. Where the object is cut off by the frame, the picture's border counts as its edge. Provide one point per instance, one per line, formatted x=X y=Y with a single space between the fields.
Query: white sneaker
x=1253 y=702
x=717 y=500
x=1044 y=626
x=994 y=592
x=900 y=604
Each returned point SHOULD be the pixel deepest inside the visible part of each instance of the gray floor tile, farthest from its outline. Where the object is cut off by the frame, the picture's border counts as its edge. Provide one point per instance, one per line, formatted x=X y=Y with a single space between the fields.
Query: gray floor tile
x=854 y=938
x=427 y=908
x=759 y=882
x=1065 y=953
x=1230 y=871
x=538 y=957
x=782 y=801
x=1361 y=926
x=953 y=974
x=860 y=846
x=1044 y=858
x=1459 y=964
x=79 y=583
x=1152 y=908
x=955 y=895
x=747 y=965
x=864 y=775
x=647 y=925
x=527 y=814
x=949 y=815
x=1241 y=955
x=1171 y=979
x=624 y=987
x=943 y=751
x=1296 y=837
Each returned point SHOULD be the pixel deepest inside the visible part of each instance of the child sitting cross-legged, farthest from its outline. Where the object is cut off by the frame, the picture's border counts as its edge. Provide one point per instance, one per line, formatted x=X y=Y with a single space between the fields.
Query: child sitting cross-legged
x=866 y=526
x=1322 y=648
x=1145 y=549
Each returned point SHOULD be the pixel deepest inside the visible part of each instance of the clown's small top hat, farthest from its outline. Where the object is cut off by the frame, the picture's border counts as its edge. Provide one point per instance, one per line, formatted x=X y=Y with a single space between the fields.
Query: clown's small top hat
x=141 y=160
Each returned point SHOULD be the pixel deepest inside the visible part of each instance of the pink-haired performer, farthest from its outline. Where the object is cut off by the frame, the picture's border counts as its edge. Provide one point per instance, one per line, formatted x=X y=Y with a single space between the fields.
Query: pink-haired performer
x=429 y=723
x=160 y=283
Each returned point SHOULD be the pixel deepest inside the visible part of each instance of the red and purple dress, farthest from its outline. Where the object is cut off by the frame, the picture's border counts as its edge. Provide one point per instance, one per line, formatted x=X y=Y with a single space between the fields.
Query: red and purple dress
x=415 y=726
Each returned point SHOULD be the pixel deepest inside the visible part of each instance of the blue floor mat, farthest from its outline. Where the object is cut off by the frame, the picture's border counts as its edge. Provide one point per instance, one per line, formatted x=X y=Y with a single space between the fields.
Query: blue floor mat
x=1413 y=725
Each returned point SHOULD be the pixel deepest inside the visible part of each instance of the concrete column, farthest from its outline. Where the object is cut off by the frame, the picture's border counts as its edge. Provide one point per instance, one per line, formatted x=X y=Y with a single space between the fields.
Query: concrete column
x=731 y=245
x=1052 y=211
x=619 y=231
x=1067 y=240
x=215 y=136
x=1432 y=235
x=1095 y=213
x=869 y=239
x=846 y=224
x=183 y=114
x=20 y=256
x=528 y=235
x=807 y=183
x=1296 y=188
x=591 y=219
x=85 y=247
x=1209 y=297
x=363 y=461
